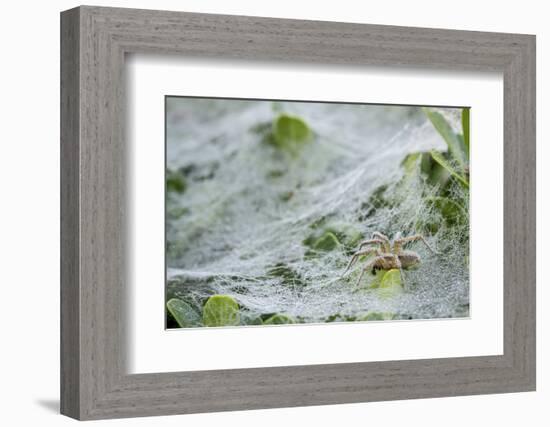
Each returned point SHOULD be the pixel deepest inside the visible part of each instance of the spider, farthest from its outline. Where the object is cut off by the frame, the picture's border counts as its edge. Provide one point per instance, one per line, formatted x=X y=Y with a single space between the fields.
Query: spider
x=389 y=255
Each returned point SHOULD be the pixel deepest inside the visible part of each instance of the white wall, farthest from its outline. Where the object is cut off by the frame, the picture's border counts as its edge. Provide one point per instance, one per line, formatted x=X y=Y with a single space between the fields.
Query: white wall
x=29 y=212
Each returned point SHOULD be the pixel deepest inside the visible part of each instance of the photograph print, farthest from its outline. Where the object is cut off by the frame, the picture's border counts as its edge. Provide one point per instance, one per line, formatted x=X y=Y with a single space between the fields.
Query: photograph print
x=297 y=212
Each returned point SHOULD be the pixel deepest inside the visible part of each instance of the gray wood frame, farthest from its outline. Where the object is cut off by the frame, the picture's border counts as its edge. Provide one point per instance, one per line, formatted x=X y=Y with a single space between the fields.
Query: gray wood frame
x=94 y=41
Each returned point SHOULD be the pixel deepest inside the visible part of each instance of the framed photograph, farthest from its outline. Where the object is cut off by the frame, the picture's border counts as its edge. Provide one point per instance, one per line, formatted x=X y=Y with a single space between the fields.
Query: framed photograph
x=262 y=213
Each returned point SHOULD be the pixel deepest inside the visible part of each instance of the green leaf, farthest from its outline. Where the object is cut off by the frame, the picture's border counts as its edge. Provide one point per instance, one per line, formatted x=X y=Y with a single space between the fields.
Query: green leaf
x=327 y=242
x=285 y=196
x=279 y=319
x=250 y=319
x=435 y=173
x=175 y=182
x=346 y=233
x=455 y=145
x=376 y=315
x=290 y=132
x=221 y=310
x=391 y=285
x=286 y=273
x=410 y=163
x=183 y=313
x=466 y=130
x=438 y=157
x=334 y=318
x=450 y=210
x=377 y=279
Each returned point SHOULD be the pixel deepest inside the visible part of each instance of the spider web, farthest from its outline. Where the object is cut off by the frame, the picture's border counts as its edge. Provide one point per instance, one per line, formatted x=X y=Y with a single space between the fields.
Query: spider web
x=239 y=227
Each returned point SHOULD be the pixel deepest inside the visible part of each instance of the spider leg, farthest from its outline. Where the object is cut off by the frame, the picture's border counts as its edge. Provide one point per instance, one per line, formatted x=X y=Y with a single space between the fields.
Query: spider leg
x=370 y=242
x=356 y=256
x=365 y=269
x=384 y=238
x=403 y=241
x=360 y=277
x=380 y=235
x=402 y=278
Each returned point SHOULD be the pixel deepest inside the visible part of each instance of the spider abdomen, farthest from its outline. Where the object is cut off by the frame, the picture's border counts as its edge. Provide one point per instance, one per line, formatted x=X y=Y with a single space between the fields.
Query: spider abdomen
x=408 y=258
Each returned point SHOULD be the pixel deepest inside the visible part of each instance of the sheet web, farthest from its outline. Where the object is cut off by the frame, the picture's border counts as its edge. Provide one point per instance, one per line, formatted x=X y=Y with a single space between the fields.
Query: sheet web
x=240 y=225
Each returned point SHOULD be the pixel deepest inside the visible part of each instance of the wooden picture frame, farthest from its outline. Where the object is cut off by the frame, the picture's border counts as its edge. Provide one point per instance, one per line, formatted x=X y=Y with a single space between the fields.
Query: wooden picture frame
x=94 y=41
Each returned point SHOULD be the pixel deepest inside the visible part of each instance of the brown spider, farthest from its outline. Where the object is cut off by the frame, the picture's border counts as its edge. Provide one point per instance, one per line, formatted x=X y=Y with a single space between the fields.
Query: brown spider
x=389 y=255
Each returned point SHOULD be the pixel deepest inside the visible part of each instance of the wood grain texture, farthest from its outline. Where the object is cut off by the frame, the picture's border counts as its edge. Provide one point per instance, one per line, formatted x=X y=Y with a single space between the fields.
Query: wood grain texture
x=70 y=292
x=94 y=235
